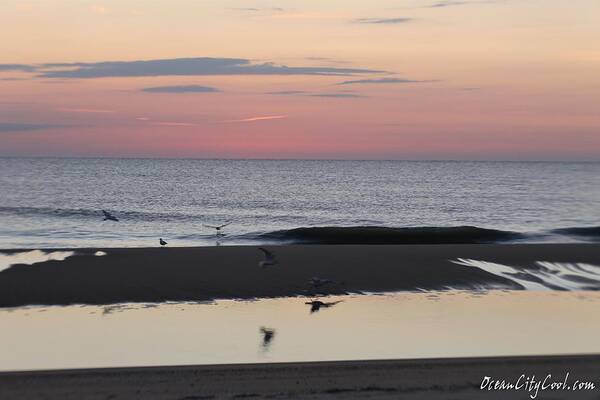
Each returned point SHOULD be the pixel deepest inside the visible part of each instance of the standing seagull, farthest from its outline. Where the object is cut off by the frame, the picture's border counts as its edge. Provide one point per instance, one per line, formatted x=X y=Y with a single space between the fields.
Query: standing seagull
x=162 y=242
x=109 y=217
x=269 y=260
x=218 y=228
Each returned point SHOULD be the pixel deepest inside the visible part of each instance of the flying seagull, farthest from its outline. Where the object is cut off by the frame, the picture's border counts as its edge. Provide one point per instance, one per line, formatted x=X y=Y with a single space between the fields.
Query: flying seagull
x=218 y=228
x=316 y=305
x=269 y=259
x=109 y=217
x=162 y=242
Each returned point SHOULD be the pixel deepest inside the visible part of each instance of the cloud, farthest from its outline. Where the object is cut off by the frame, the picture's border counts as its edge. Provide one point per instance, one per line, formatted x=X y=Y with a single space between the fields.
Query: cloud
x=447 y=3
x=450 y=3
x=17 y=67
x=255 y=9
x=85 y=110
x=22 y=127
x=288 y=92
x=381 y=80
x=261 y=118
x=172 y=123
x=309 y=94
x=391 y=21
x=185 y=67
x=340 y=95
x=181 y=89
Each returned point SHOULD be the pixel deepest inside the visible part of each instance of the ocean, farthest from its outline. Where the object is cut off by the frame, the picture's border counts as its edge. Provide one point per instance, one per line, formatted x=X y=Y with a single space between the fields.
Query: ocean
x=58 y=203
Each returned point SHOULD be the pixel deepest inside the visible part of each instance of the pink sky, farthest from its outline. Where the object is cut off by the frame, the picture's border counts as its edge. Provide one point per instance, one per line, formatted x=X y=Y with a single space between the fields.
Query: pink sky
x=413 y=79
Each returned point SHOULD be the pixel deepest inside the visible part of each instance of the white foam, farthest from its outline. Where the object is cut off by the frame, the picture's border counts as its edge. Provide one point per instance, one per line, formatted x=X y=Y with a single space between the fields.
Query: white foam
x=550 y=275
x=31 y=257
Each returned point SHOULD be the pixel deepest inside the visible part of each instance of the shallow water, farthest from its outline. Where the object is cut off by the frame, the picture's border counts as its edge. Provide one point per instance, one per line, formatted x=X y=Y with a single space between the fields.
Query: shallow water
x=407 y=325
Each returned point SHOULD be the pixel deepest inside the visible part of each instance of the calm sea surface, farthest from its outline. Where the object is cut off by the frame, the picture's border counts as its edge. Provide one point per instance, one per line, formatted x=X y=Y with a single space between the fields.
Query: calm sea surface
x=48 y=202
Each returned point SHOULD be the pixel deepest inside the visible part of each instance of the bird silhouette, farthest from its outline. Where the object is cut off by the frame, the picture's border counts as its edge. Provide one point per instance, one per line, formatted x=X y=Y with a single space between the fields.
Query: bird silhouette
x=316 y=305
x=218 y=228
x=162 y=242
x=268 y=335
x=109 y=217
x=269 y=258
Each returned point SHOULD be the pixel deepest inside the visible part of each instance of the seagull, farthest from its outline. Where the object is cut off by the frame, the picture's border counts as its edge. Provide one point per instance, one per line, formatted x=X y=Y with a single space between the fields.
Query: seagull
x=109 y=217
x=316 y=305
x=268 y=335
x=162 y=242
x=218 y=228
x=269 y=260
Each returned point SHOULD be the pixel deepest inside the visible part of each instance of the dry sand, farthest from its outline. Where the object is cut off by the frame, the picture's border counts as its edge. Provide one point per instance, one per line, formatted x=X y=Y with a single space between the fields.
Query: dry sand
x=393 y=379
x=203 y=273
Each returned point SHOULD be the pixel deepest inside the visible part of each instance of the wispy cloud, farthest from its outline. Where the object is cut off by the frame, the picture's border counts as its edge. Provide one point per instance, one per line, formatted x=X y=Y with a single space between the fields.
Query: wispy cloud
x=451 y=3
x=257 y=9
x=173 y=123
x=288 y=92
x=382 y=81
x=390 y=21
x=312 y=94
x=339 y=95
x=7 y=127
x=17 y=67
x=85 y=110
x=180 y=67
x=181 y=89
x=448 y=3
x=260 y=118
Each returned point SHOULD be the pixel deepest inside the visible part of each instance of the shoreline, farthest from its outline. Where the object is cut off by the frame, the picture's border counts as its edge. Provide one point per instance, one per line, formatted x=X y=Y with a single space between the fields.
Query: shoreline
x=208 y=273
x=379 y=379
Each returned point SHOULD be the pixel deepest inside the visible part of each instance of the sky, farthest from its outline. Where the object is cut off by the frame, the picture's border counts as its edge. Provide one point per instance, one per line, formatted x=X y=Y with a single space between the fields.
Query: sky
x=334 y=79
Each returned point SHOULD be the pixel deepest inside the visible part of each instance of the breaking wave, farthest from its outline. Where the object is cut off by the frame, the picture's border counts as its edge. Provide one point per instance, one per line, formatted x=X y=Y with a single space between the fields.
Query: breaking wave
x=385 y=235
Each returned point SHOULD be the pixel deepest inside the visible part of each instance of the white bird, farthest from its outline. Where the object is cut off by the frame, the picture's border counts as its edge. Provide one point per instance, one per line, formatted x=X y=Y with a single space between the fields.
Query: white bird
x=109 y=217
x=162 y=242
x=218 y=228
x=269 y=260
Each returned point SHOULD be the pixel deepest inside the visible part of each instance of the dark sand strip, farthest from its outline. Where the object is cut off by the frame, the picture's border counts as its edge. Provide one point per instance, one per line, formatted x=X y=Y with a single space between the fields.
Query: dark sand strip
x=204 y=273
x=392 y=379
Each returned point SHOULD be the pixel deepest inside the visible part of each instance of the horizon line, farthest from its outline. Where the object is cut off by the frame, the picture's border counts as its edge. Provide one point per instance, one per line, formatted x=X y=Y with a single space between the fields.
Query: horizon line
x=298 y=159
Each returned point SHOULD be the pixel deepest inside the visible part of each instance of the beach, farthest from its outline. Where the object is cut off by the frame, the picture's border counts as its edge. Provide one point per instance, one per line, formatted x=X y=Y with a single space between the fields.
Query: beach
x=377 y=379
x=206 y=273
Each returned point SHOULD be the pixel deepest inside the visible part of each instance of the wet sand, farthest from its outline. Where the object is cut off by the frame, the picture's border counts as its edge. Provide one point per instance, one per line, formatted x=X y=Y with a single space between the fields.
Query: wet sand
x=390 y=379
x=204 y=273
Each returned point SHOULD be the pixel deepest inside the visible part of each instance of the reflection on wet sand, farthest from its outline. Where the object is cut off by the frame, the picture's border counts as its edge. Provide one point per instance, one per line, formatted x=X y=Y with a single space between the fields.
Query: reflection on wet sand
x=267 y=337
x=402 y=325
